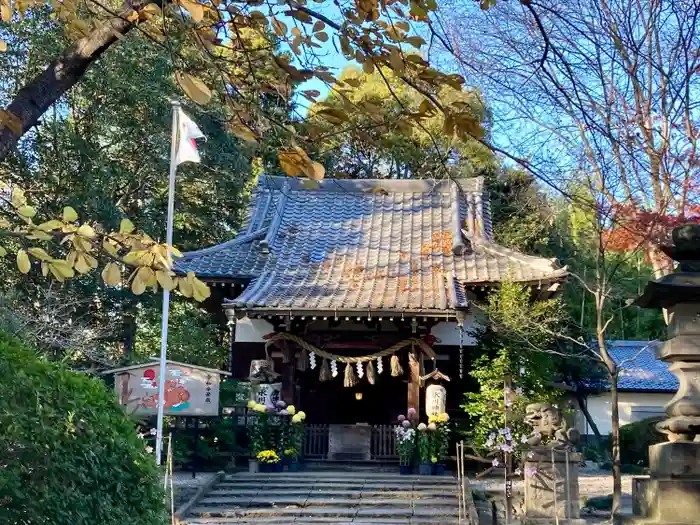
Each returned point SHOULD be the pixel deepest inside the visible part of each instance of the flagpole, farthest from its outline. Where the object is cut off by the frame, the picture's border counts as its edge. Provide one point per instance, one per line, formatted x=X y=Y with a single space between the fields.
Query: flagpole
x=166 y=293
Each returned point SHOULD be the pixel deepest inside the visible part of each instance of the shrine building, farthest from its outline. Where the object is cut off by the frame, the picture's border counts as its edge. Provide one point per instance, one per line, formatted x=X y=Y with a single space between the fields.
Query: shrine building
x=354 y=295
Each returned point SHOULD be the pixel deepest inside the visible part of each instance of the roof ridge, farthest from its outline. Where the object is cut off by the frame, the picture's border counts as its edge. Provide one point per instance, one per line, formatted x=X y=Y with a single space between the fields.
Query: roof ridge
x=468 y=185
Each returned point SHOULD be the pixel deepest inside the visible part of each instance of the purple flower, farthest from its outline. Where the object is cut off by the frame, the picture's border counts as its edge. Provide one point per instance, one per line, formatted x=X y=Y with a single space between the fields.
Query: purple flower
x=281 y=404
x=284 y=412
x=495 y=462
x=402 y=418
x=406 y=423
x=530 y=471
x=507 y=448
x=519 y=391
x=411 y=412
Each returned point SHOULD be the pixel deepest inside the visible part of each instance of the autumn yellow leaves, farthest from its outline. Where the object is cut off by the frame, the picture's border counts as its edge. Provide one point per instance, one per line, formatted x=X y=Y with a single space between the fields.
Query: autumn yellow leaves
x=132 y=259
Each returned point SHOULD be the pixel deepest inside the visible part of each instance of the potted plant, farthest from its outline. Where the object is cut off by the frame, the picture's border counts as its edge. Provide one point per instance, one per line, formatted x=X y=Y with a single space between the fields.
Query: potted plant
x=257 y=434
x=269 y=461
x=425 y=467
x=290 y=459
x=405 y=444
x=440 y=432
x=296 y=435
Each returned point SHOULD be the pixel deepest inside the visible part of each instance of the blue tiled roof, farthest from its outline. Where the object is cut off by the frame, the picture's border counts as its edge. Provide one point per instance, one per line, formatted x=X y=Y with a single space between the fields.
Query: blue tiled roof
x=640 y=370
x=365 y=245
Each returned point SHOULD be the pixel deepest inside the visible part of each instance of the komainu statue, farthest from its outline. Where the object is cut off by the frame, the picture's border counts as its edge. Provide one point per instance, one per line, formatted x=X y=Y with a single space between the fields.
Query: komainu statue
x=549 y=427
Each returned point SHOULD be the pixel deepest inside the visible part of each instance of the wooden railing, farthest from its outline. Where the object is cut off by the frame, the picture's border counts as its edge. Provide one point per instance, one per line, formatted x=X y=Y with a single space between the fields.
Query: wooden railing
x=382 y=445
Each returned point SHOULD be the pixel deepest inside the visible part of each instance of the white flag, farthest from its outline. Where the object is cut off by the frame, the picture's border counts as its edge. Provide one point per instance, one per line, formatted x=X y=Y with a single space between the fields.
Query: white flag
x=188 y=132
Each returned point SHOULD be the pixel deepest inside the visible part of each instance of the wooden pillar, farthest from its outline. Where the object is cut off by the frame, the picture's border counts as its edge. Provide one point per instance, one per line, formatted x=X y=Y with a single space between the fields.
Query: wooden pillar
x=288 y=373
x=414 y=381
x=231 y=342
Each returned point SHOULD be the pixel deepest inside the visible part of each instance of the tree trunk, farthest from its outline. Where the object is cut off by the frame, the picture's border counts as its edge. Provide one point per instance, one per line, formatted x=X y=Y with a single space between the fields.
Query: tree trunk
x=616 y=463
x=40 y=93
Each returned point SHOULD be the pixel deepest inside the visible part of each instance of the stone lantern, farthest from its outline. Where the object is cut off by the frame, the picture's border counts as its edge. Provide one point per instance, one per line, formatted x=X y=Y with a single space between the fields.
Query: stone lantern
x=672 y=492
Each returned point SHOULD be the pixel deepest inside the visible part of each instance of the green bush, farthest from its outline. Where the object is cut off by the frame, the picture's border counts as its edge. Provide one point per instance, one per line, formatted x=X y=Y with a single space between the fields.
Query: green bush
x=70 y=455
x=635 y=439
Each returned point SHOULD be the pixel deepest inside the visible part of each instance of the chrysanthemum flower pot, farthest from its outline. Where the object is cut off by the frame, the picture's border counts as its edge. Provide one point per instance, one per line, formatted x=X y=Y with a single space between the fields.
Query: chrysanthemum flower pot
x=438 y=469
x=425 y=469
x=405 y=470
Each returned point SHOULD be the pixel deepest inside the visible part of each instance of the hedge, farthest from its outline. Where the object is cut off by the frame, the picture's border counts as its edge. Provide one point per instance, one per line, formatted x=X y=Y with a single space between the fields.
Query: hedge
x=69 y=454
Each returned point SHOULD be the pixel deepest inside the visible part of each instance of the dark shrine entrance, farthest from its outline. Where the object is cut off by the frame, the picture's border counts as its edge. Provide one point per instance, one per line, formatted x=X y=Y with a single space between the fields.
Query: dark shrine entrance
x=330 y=402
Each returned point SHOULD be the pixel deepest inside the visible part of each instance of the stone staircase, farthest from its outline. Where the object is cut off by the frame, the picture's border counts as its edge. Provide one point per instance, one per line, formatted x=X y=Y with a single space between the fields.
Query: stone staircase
x=323 y=497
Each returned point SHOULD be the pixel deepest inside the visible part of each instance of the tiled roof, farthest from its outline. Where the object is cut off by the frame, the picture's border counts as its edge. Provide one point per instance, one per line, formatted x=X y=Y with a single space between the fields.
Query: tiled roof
x=640 y=369
x=365 y=245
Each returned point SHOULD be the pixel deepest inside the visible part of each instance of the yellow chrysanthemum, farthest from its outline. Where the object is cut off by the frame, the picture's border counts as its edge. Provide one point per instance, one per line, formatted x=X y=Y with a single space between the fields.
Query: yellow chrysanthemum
x=444 y=418
x=292 y=410
x=251 y=404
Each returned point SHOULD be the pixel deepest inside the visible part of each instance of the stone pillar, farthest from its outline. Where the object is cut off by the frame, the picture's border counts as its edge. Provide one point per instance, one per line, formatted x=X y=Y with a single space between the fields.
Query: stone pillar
x=547 y=493
x=673 y=489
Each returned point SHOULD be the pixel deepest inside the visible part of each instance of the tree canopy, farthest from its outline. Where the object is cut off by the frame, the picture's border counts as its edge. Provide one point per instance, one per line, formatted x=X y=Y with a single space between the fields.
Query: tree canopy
x=236 y=54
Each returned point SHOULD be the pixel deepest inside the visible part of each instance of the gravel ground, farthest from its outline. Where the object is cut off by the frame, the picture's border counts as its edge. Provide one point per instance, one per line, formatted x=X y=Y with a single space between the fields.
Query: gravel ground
x=591 y=484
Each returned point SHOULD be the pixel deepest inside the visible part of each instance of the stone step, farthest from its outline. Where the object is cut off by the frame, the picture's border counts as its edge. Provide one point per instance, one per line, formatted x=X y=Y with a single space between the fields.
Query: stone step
x=321 y=501
x=321 y=521
x=388 y=493
x=413 y=487
x=350 y=477
x=368 y=513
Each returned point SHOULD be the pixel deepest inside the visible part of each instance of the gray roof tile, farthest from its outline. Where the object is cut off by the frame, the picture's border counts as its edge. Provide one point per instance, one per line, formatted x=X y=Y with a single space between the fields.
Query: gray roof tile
x=365 y=245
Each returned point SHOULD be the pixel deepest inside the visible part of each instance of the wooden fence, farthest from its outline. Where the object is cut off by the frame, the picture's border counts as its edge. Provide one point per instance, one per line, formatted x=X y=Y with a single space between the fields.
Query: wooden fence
x=316 y=441
x=383 y=442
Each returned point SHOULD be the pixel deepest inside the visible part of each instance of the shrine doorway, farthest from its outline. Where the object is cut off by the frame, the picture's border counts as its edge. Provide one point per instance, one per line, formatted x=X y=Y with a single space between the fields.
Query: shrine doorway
x=329 y=402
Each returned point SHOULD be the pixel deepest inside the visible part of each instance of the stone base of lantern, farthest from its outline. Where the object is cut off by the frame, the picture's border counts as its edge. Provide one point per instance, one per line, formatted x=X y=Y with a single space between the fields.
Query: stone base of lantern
x=547 y=493
x=671 y=494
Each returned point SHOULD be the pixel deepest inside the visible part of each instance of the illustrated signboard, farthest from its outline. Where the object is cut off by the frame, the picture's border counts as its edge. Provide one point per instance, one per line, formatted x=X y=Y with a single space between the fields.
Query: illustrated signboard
x=189 y=390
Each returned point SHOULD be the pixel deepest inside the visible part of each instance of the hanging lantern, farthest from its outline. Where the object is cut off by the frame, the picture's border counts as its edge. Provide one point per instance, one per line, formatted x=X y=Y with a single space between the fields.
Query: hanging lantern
x=360 y=370
x=435 y=400
x=334 y=368
x=380 y=365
